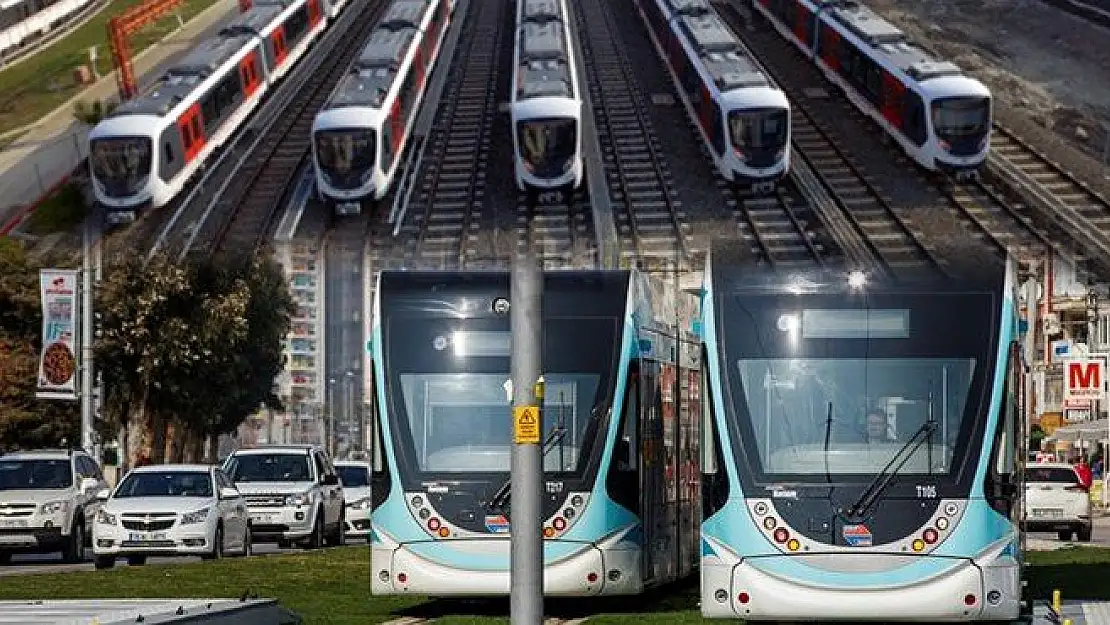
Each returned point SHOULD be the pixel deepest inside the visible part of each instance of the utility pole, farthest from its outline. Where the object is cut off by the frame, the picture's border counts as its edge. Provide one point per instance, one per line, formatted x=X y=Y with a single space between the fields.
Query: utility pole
x=90 y=275
x=526 y=471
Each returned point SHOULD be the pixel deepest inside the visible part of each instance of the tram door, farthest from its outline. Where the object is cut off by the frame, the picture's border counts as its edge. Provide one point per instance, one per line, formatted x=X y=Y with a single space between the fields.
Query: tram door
x=652 y=465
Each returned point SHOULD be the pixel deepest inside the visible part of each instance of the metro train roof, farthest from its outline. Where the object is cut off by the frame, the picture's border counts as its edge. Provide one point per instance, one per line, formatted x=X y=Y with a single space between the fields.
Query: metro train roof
x=253 y=21
x=888 y=41
x=543 y=55
x=373 y=73
x=183 y=77
x=726 y=61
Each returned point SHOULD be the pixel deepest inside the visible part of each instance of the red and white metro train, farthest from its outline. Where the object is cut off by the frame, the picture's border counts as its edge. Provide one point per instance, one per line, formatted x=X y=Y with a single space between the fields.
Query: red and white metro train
x=940 y=117
x=546 y=106
x=743 y=117
x=360 y=134
x=142 y=154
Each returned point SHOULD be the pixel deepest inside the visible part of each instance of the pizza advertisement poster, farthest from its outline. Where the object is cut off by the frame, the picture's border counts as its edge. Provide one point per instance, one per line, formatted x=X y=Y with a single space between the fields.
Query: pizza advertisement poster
x=58 y=361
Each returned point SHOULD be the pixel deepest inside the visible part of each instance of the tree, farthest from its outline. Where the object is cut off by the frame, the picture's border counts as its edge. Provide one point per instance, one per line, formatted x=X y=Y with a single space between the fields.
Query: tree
x=25 y=420
x=1036 y=435
x=195 y=347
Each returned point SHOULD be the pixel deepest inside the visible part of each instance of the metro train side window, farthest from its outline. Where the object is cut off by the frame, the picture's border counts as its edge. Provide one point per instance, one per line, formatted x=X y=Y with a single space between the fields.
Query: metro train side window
x=169 y=153
x=915 y=118
x=387 y=145
x=717 y=130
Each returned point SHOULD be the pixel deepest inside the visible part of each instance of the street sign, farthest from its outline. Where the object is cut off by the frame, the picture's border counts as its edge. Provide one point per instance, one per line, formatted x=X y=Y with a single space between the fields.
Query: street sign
x=526 y=425
x=1084 y=379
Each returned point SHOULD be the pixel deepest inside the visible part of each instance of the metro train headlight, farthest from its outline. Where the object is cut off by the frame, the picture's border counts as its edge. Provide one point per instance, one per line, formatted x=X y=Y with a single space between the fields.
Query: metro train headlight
x=361 y=504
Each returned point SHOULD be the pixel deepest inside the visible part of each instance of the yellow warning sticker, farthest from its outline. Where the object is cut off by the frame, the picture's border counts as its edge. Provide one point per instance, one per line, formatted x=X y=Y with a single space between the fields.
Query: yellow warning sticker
x=526 y=425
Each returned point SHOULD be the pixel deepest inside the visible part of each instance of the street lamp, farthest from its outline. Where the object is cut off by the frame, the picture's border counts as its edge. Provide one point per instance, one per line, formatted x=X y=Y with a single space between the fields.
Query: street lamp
x=353 y=421
x=329 y=416
x=1092 y=320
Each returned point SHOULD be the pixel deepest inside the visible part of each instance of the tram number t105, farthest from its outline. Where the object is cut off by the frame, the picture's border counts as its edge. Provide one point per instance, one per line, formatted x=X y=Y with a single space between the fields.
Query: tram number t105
x=554 y=488
x=927 y=492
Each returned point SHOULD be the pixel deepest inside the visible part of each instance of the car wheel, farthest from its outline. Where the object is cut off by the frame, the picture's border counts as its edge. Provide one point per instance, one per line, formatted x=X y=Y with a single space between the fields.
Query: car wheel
x=217 y=545
x=74 y=551
x=136 y=561
x=316 y=539
x=1084 y=533
x=104 y=562
x=247 y=538
x=1064 y=535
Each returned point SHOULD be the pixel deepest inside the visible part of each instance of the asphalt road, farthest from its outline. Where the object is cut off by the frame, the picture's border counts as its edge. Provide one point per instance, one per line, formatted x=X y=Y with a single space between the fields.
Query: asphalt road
x=1047 y=541
x=29 y=564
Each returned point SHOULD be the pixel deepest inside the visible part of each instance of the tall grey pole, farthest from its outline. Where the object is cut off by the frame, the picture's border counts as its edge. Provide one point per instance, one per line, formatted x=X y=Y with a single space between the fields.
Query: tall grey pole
x=526 y=559
x=87 y=377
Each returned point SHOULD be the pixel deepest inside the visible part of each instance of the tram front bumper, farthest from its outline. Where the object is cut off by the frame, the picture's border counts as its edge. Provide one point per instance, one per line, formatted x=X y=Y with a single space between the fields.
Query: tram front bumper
x=961 y=593
x=589 y=571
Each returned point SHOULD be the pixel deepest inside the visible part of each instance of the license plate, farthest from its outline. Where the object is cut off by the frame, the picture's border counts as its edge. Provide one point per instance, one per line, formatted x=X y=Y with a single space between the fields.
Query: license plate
x=143 y=537
x=1051 y=513
x=262 y=518
x=7 y=523
x=348 y=208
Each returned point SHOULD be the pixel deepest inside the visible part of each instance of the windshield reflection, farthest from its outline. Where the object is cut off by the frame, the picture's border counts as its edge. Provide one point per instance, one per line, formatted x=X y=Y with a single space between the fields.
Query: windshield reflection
x=35 y=474
x=269 y=468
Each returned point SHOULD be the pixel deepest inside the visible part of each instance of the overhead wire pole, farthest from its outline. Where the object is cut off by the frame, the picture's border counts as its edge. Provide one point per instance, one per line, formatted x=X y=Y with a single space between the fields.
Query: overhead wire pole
x=526 y=470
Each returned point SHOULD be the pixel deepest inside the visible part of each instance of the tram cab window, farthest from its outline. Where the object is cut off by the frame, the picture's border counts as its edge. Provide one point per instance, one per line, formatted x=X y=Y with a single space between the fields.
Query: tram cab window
x=914 y=116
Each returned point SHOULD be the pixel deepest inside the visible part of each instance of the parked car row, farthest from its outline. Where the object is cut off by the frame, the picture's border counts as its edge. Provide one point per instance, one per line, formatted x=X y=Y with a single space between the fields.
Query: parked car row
x=58 y=500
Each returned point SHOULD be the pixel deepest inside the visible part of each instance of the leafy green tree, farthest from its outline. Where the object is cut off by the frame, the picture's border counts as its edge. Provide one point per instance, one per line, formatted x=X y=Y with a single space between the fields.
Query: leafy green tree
x=1036 y=435
x=25 y=420
x=196 y=346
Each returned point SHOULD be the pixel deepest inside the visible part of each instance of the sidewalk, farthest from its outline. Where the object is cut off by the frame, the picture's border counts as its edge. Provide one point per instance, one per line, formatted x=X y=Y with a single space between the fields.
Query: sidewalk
x=44 y=158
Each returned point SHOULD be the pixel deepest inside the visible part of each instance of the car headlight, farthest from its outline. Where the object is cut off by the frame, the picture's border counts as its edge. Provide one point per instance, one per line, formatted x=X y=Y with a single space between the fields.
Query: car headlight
x=361 y=504
x=194 y=517
x=300 y=499
x=54 y=507
x=104 y=518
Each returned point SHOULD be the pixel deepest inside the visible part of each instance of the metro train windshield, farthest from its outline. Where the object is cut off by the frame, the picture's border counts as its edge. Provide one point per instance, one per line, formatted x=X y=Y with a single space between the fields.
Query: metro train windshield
x=761 y=129
x=346 y=156
x=449 y=381
x=120 y=164
x=547 y=146
x=955 y=118
x=864 y=378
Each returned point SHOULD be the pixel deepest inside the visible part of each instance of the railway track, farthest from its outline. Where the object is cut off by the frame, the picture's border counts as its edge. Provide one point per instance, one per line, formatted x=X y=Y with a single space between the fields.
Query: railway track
x=233 y=208
x=651 y=223
x=963 y=223
x=1069 y=204
x=444 y=215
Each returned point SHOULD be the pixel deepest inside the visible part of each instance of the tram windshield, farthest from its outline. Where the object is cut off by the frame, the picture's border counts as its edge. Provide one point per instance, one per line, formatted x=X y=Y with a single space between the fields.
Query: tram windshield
x=120 y=164
x=822 y=389
x=759 y=134
x=346 y=156
x=547 y=146
x=961 y=118
x=451 y=392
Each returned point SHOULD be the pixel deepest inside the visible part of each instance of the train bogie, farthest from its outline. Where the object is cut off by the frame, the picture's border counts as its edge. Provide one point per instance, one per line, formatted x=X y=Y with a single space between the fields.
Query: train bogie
x=939 y=117
x=546 y=108
x=741 y=115
x=143 y=155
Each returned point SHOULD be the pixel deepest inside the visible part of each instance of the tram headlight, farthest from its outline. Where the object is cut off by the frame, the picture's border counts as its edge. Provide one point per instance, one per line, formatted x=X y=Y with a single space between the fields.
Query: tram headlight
x=942 y=524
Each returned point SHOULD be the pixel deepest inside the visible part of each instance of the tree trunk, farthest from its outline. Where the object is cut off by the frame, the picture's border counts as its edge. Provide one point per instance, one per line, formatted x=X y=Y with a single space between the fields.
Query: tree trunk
x=195 y=445
x=176 y=442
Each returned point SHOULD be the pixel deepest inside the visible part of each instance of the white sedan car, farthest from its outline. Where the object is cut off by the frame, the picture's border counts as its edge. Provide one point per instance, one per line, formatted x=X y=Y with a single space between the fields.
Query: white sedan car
x=1056 y=501
x=355 y=475
x=167 y=510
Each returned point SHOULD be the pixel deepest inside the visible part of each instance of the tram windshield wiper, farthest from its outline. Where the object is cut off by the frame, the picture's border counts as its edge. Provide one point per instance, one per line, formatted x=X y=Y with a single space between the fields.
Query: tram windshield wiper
x=884 y=477
x=554 y=437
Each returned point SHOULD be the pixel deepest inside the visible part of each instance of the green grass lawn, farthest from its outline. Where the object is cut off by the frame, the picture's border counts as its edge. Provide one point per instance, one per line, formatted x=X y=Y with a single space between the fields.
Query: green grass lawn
x=61 y=212
x=36 y=86
x=332 y=586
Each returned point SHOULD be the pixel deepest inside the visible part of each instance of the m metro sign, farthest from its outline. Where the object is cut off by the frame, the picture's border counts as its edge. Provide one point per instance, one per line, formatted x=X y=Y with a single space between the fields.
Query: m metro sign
x=1084 y=379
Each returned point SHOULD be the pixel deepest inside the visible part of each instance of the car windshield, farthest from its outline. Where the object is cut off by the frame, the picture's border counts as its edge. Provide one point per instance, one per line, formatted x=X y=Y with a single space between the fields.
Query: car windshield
x=35 y=474
x=269 y=468
x=165 y=484
x=1051 y=475
x=961 y=117
x=353 y=477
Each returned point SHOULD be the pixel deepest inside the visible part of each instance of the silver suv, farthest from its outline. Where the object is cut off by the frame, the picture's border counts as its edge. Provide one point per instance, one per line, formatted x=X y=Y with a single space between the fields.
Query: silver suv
x=48 y=503
x=293 y=494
